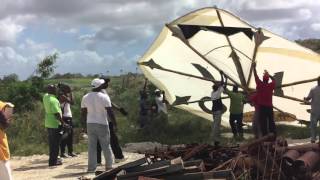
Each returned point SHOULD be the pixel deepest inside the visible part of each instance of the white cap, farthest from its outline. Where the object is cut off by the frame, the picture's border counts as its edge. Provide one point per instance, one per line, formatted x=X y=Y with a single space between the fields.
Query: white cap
x=157 y=90
x=97 y=82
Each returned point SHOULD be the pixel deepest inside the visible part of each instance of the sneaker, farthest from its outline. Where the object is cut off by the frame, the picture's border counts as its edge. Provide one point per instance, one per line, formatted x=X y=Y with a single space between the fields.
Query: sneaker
x=72 y=155
x=91 y=171
x=120 y=160
x=58 y=163
x=63 y=156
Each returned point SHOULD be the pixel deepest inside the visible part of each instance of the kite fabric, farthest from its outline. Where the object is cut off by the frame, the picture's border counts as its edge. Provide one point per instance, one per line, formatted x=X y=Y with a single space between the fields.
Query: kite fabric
x=187 y=56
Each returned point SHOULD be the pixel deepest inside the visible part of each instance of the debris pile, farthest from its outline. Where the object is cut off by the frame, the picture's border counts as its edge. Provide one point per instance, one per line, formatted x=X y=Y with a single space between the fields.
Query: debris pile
x=264 y=158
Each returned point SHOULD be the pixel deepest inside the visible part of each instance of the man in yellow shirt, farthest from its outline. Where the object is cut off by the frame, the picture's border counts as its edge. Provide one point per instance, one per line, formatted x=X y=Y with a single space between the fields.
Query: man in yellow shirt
x=5 y=116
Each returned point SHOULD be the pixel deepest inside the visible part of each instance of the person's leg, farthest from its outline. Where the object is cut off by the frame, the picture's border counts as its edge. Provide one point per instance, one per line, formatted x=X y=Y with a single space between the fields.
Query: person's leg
x=92 y=146
x=98 y=153
x=233 y=124
x=62 y=147
x=104 y=139
x=5 y=170
x=318 y=119
x=63 y=143
x=56 y=143
x=313 y=127
x=216 y=127
x=272 y=124
x=116 y=149
x=69 y=140
x=263 y=120
x=239 y=124
x=52 y=160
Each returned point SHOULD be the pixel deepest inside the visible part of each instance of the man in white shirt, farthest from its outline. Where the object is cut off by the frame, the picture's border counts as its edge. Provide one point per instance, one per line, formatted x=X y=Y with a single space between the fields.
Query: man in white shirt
x=95 y=109
x=160 y=101
x=217 y=110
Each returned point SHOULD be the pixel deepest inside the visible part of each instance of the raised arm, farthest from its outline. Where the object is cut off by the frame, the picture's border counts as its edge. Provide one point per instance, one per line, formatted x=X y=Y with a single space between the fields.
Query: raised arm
x=112 y=117
x=68 y=98
x=120 y=109
x=256 y=77
x=222 y=79
x=83 y=116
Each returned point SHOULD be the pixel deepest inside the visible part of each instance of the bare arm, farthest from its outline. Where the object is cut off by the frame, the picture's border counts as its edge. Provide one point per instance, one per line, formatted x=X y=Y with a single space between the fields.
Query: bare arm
x=83 y=117
x=120 y=109
x=256 y=77
x=112 y=117
x=222 y=80
x=58 y=116
x=67 y=98
x=308 y=98
x=71 y=101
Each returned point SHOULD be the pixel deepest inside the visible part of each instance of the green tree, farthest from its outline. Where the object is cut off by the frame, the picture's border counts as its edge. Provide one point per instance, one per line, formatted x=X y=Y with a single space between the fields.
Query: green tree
x=46 y=67
x=11 y=78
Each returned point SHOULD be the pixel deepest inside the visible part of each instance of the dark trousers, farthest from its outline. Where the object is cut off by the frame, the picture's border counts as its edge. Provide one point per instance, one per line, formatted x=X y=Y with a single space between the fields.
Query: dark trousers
x=116 y=149
x=54 y=138
x=68 y=141
x=235 y=121
x=266 y=120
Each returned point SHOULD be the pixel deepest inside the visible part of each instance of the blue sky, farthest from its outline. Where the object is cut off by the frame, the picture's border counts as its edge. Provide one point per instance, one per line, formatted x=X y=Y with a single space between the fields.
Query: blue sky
x=97 y=36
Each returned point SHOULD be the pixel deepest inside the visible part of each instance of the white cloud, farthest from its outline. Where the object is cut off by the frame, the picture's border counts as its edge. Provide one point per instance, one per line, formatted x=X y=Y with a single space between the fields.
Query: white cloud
x=305 y=14
x=316 y=26
x=71 y=31
x=12 y=62
x=9 y=31
x=90 y=62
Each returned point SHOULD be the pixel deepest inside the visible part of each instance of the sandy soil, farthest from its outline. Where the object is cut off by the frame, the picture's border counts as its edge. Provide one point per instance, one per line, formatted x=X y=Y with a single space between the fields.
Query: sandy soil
x=36 y=167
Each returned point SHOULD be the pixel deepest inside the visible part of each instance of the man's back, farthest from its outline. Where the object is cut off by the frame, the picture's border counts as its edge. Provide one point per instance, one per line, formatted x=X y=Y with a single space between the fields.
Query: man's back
x=96 y=103
x=236 y=104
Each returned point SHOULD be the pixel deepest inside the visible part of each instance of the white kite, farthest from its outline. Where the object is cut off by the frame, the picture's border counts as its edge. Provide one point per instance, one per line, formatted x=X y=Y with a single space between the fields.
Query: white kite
x=187 y=56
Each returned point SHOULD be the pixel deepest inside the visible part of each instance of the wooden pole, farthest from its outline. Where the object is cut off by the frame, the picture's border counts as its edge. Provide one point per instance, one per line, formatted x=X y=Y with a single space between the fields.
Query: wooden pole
x=200 y=55
x=297 y=83
x=236 y=58
x=187 y=75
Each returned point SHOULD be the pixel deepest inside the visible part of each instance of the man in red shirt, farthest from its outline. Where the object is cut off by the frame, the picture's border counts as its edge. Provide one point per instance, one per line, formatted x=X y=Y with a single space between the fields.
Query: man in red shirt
x=264 y=102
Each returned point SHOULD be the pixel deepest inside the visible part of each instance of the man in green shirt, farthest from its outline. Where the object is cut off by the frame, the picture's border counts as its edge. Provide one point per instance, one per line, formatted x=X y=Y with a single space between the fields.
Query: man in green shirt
x=52 y=122
x=236 y=111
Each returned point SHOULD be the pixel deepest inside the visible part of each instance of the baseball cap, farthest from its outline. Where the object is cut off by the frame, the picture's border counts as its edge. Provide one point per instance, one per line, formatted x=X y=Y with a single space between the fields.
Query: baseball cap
x=7 y=109
x=95 y=83
x=5 y=104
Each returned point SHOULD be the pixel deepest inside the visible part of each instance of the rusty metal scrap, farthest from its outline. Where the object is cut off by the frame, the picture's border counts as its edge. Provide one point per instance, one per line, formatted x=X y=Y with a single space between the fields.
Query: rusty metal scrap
x=263 y=158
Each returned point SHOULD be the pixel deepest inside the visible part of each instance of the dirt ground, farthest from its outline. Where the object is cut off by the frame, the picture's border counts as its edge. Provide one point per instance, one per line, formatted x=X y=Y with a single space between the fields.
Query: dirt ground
x=36 y=167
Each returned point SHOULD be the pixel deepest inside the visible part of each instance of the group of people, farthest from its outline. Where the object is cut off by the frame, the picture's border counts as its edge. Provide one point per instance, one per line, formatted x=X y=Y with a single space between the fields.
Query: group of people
x=58 y=121
x=101 y=126
x=96 y=112
x=261 y=99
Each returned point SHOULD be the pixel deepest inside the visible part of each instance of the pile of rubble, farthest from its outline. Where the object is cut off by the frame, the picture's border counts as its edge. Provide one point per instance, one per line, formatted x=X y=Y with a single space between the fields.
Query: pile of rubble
x=264 y=158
